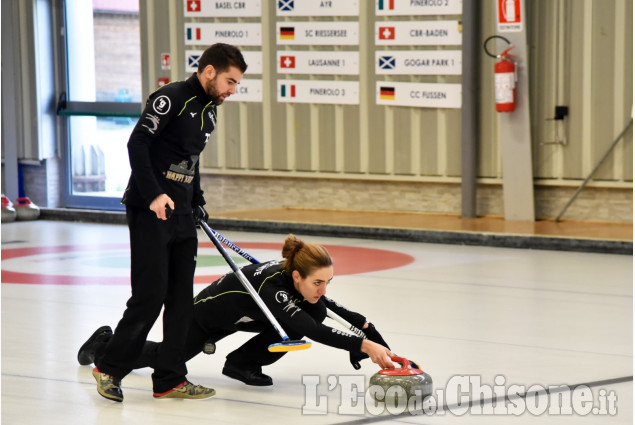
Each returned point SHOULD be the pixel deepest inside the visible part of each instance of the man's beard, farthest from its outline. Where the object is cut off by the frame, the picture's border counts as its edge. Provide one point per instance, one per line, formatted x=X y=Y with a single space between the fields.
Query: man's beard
x=213 y=92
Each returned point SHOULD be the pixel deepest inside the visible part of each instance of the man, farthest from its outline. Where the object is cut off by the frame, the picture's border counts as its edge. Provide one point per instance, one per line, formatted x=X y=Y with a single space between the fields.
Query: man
x=162 y=195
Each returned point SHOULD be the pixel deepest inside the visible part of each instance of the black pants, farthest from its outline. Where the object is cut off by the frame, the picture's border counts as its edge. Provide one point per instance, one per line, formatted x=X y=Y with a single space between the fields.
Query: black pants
x=163 y=260
x=252 y=355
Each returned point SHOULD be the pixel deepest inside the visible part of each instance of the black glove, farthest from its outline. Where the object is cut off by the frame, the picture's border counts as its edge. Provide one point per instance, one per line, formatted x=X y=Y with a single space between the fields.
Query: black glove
x=200 y=214
x=356 y=358
x=373 y=335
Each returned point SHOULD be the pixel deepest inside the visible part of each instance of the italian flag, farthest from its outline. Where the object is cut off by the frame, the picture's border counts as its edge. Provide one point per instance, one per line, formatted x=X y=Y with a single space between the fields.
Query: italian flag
x=194 y=33
x=287 y=90
x=386 y=4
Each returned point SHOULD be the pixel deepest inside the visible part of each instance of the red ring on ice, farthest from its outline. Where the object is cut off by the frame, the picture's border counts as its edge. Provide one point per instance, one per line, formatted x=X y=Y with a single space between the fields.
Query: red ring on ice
x=347 y=260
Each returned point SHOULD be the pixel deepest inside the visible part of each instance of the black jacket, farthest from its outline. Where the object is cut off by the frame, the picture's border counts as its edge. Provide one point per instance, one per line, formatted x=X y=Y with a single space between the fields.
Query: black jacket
x=226 y=304
x=164 y=146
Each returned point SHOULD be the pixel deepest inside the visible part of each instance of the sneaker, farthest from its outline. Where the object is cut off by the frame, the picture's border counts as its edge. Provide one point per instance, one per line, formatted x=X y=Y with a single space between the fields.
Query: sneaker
x=249 y=377
x=187 y=390
x=86 y=353
x=108 y=386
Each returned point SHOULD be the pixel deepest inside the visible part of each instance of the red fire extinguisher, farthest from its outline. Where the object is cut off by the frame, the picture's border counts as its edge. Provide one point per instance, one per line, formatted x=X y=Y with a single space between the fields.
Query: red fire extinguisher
x=505 y=82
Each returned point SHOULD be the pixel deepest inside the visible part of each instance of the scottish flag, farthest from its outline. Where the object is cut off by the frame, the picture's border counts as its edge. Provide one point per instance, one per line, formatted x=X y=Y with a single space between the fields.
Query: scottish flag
x=192 y=60
x=285 y=5
x=387 y=62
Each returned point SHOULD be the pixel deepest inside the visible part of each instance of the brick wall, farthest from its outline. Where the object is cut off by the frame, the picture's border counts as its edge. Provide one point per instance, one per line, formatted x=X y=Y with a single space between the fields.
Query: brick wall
x=118 y=64
x=233 y=193
x=42 y=182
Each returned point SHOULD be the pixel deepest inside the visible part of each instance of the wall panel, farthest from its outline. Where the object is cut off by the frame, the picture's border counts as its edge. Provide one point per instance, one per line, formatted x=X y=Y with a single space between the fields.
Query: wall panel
x=580 y=57
x=350 y=140
x=428 y=140
x=403 y=142
x=603 y=106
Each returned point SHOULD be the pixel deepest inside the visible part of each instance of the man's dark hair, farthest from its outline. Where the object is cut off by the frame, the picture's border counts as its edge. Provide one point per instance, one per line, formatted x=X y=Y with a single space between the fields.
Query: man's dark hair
x=221 y=56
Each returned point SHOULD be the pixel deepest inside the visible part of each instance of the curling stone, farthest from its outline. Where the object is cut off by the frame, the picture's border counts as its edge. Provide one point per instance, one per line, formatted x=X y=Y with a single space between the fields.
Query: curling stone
x=399 y=385
x=27 y=210
x=8 y=212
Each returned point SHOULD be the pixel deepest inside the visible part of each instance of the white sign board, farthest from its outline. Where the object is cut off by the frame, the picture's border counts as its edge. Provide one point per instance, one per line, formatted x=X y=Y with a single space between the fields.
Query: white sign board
x=418 y=62
x=247 y=91
x=318 y=33
x=318 y=62
x=318 y=91
x=206 y=34
x=317 y=7
x=223 y=9
x=423 y=95
x=417 y=33
x=252 y=58
x=418 y=7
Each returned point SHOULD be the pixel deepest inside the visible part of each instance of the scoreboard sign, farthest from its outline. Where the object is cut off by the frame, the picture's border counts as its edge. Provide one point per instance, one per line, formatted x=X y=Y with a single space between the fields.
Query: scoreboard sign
x=418 y=62
x=206 y=34
x=417 y=33
x=247 y=91
x=318 y=62
x=317 y=7
x=425 y=95
x=316 y=91
x=223 y=9
x=252 y=58
x=312 y=33
x=418 y=7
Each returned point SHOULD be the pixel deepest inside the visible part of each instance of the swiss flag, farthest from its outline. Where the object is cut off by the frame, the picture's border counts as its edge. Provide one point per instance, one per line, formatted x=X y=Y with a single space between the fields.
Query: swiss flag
x=193 y=5
x=287 y=61
x=386 y=33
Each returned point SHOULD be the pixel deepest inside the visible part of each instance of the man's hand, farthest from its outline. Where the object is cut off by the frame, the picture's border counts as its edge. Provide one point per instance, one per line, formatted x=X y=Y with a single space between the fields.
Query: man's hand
x=200 y=214
x=159 y=206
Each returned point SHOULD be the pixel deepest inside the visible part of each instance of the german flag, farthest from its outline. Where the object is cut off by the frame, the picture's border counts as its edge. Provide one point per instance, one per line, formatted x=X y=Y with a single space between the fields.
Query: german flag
x=287 y=33
x=387 y=93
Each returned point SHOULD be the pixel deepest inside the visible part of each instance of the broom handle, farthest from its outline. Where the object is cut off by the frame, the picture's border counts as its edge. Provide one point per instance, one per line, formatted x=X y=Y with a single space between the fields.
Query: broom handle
x=244 y=281
x=360 y=333
x=213 y=234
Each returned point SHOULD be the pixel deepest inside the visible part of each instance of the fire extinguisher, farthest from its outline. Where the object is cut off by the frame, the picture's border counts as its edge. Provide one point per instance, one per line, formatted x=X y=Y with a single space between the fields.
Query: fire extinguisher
x=505 y=82
x=505 y=77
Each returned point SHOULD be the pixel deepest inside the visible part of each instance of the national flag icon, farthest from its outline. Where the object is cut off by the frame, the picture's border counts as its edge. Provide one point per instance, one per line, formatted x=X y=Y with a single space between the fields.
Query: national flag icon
x=387 y=62
x=192 y=61
x=287 y=33
x=285 y=5
x=386 y=5
x=287 y=90
x=387 y=93
x=287 y=62
x=193 y=5
x=194 y=33
x=386 y=33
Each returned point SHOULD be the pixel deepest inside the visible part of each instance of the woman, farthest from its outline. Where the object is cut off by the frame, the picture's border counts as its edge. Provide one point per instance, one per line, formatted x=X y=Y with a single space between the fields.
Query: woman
x=294 y=291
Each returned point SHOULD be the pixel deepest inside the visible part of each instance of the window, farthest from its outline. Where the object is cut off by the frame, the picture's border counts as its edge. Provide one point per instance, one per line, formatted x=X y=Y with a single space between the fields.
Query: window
x=103 y=98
